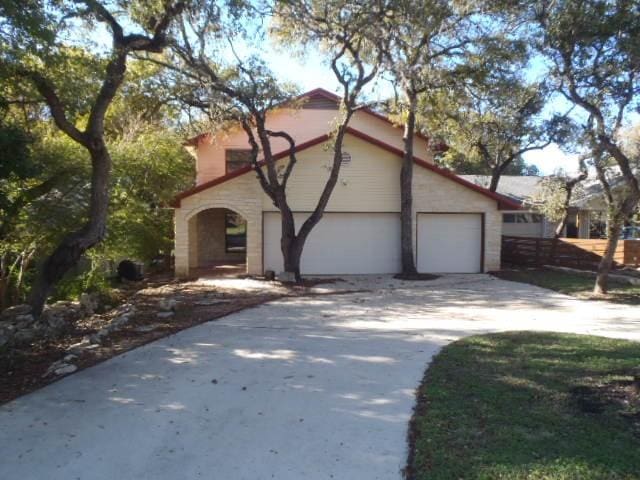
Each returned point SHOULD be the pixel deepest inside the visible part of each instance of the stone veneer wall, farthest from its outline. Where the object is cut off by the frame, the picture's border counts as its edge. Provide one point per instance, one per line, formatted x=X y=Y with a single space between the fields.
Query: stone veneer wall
x=241 y=195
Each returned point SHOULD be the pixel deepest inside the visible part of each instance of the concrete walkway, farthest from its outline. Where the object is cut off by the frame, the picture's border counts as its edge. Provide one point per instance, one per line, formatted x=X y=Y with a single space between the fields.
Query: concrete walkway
x=306 y=388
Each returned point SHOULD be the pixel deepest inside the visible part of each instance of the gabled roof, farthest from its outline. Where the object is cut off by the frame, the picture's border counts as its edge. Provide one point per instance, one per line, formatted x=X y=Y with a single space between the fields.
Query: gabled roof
x=521 y=188
x=517 y=187
x=503 y=201
x=322 y=93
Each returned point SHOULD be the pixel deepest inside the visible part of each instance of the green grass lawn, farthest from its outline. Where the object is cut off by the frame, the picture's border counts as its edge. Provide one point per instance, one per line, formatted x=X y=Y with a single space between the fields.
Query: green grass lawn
x=572 y=284
x=528 y=406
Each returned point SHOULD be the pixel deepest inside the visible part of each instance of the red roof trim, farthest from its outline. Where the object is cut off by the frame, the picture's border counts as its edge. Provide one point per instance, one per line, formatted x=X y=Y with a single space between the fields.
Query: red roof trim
x=503 y=202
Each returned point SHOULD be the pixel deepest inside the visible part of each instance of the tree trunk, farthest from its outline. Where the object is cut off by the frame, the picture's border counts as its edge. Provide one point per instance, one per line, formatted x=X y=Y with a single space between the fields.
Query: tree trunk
x=72 y=247
x=606 y=264
x=297 y=245
x=290 y=244
x=7 y=299
x=406 y=190
x=292 y=255
x=25 y=263
x=560 y=227
x=4 y=281
x=496 y=173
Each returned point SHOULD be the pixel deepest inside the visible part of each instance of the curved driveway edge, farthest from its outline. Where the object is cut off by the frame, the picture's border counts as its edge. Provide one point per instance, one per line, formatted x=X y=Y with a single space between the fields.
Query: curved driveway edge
x=314 y=388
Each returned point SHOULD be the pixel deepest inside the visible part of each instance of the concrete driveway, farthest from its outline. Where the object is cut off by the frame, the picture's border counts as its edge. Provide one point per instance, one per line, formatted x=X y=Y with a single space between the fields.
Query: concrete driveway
x=312 y=388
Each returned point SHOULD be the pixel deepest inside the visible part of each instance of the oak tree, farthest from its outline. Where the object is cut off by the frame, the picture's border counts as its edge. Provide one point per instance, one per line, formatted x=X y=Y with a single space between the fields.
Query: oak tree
x=592 y=47
x=32 y=51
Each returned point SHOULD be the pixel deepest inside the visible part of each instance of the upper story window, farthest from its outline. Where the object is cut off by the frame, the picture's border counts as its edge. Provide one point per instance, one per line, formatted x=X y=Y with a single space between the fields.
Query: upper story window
x=236 y=159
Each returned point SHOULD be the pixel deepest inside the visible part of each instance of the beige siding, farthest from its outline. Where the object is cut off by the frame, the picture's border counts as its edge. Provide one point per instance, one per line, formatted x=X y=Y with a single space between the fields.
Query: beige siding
x=303 y=125
x=370 y=183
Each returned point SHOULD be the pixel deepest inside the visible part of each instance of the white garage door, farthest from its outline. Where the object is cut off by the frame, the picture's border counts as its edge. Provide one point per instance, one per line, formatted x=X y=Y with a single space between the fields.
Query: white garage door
x=449 y=243
x=342 y=243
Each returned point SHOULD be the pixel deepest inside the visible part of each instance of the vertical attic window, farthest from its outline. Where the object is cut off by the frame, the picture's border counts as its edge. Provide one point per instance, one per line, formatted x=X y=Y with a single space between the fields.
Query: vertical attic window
x=236 y=159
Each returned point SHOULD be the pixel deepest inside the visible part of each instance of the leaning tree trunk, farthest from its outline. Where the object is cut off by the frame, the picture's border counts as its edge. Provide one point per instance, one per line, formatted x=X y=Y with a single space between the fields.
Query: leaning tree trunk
x=606 y=264
x=496 y=173
x=292 y=251
x=555 y=241
x=406 y=192
x=561 y=225
x=72 y=247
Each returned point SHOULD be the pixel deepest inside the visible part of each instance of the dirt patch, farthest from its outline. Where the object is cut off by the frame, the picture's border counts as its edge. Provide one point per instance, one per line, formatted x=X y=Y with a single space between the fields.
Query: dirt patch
x=621 y=395
x=157 y=310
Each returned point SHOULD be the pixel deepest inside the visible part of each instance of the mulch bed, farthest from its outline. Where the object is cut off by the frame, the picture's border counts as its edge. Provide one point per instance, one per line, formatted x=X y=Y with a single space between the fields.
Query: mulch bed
x=22 y=370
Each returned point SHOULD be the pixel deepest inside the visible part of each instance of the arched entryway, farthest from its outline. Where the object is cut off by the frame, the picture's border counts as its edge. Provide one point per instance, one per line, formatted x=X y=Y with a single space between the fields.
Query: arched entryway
x=217 y=243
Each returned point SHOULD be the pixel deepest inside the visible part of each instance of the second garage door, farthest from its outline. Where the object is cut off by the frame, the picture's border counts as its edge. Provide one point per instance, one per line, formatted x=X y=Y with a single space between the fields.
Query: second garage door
x=449 y=243
x=342 y=243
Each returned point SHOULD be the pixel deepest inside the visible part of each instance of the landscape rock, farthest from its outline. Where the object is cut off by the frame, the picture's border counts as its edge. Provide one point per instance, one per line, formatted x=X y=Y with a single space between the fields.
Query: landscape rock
x=19 y=326
x=99 y=336
x=70 y=357
x=80 y=346
x=26 y=335
x=4 y=339
x=165 y=314
x=146 y=328
x=61 y=367
x=88 y=303
x=15 y=311
x=60 y=316
x=167 y=304
x=57 y=324
x=65 y=369
x=126 y=308
x=27 y=318
x=119 y=322
x=210 y=302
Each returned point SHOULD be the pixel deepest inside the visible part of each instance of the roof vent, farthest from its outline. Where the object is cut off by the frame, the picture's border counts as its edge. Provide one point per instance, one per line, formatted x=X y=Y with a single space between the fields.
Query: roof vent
x=346 y=158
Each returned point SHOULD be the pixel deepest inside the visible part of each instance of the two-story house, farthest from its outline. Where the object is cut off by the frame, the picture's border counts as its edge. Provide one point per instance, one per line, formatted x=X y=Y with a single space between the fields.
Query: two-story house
x=227 y=219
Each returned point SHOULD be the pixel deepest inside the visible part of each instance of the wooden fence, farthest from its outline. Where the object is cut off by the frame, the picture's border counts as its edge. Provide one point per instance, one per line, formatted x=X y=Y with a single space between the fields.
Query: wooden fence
x=584 y=254
x=627 y=253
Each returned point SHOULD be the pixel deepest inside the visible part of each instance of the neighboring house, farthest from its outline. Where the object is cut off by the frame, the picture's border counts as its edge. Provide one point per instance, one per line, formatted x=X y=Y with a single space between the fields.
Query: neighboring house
x=226 y=218
x=586 y=214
